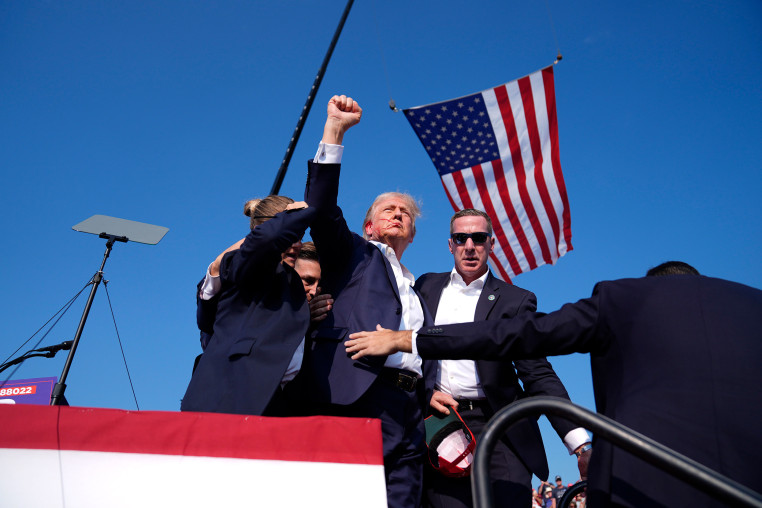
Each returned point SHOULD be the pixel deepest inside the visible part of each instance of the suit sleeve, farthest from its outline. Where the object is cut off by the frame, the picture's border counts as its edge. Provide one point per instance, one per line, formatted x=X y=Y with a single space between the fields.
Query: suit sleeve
x=538 y=377
x=329 y=230
x=574 y=328
x=206 y=311
x=255 y=261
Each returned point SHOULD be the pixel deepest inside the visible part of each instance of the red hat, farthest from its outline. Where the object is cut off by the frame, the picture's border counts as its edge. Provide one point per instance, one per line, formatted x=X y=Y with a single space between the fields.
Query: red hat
x=450 y=444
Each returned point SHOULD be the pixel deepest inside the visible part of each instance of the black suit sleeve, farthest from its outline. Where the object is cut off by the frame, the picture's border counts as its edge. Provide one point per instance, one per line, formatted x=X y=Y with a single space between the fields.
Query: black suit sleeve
x=255 y=261
x=206 y=311
x=538 y=377
x=329 y=230
x=575 y=328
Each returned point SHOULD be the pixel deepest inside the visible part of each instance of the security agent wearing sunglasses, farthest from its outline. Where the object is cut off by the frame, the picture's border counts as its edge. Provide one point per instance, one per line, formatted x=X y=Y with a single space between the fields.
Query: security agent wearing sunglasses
x=477 y=389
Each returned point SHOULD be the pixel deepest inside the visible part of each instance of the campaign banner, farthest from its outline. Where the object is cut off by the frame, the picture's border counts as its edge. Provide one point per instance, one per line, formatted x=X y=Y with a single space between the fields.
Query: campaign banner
x=27 y=391
x=59 y=456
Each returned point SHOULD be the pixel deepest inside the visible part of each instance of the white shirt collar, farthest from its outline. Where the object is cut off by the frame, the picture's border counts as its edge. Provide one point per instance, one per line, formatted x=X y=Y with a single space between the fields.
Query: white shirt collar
x=457 y=280
x=392 y=257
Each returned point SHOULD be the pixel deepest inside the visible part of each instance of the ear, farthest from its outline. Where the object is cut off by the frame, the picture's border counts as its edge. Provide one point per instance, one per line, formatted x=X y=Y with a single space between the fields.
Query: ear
x=449 y=245
x=369 y=229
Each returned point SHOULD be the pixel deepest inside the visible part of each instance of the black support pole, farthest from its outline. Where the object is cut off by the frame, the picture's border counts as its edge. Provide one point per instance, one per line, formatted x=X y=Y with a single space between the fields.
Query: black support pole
x=308 y=105
x=58 y=390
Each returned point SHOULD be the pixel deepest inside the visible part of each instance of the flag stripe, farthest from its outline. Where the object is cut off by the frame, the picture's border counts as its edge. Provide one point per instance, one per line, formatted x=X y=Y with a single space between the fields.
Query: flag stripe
x=474 y=199
x=495 y=180
x=452 y=191
x=534 y=140
x=550 y=101
x=449 y=197
x=460 y=184
x=534 y=226
x=548 y=178
x=518 y=166
x=496 y=263
x=507 y=187
x=496 y=226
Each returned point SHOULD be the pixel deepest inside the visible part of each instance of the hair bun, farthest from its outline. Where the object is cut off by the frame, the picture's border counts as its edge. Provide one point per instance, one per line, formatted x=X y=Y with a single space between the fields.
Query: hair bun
x=249 y=206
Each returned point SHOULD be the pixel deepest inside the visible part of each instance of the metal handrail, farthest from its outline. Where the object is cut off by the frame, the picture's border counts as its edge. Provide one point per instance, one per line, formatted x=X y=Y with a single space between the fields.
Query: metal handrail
x=571 y=493
x=656 y=454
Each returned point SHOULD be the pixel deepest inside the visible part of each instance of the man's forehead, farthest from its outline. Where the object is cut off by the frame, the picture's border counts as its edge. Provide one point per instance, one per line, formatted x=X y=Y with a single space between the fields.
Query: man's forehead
x=469 y=222
x=393 y=201
x=307 y=264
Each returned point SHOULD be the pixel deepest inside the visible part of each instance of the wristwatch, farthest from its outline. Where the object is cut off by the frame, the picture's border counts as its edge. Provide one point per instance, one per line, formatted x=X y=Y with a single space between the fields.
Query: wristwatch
x=583 y=449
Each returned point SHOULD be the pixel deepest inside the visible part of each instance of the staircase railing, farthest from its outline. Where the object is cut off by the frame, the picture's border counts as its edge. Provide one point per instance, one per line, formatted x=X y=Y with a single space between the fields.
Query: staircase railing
x=656 y=454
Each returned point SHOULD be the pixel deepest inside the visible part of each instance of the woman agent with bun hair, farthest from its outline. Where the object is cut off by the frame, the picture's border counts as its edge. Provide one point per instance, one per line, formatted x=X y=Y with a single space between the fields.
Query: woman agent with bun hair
x=262 y=317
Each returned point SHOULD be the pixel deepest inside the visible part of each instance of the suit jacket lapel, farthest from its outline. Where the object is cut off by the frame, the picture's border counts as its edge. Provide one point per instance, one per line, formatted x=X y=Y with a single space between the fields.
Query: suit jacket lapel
x=432 y=302
x=487 y=300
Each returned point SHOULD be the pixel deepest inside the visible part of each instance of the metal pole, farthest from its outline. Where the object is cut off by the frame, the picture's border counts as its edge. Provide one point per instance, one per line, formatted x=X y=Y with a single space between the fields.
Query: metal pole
x=58 y=390
x=308 y=105
x=656 y=454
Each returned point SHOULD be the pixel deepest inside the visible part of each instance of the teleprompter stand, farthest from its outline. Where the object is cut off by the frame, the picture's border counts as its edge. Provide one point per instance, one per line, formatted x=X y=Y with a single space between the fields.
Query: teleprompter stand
x=112 y=230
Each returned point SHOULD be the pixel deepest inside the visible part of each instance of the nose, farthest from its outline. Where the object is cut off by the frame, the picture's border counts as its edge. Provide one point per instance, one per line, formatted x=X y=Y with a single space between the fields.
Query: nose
x=470 y=244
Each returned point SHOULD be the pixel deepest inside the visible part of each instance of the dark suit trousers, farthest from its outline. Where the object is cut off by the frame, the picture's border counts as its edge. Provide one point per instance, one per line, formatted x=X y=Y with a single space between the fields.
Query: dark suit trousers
x=403 y=438
x=511 y=479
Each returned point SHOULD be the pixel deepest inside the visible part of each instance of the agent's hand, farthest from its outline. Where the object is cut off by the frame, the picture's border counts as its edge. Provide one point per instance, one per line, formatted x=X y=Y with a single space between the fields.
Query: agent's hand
x=320 y=306
x=298 y=205
x=441 y=400
x=379 y=343
x=582 y=462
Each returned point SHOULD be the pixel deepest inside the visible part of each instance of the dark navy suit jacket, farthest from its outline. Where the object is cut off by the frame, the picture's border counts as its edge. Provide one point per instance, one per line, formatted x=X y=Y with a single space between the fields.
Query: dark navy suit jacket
x=676 y=358
x=262 y=316
x=360 y=279
x=499 y=300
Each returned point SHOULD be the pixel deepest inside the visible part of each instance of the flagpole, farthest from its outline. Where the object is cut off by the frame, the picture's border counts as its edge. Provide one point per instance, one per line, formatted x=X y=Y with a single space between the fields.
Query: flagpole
x=308 y=105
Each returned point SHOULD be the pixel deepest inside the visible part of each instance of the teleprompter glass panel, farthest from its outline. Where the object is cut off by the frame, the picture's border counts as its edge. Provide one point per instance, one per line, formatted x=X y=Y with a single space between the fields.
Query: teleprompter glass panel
x=134 y=231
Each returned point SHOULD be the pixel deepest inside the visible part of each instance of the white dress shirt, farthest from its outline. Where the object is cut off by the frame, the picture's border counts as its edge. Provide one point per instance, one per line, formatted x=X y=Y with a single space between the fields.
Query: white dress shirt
x=412 y=312
x=460 y=378
x=457 y=304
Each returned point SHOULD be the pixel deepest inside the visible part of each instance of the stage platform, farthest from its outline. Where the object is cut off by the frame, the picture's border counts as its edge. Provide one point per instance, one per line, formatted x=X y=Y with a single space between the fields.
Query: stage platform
x=87 y=457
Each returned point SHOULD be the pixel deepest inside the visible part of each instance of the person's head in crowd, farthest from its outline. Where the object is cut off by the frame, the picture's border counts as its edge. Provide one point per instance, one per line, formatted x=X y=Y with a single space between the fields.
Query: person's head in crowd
x=391 y=220
x=470 y=243
x=308 y=267
x=572 y=504
x=672 y=268
x=262 y=210
x=559 y=482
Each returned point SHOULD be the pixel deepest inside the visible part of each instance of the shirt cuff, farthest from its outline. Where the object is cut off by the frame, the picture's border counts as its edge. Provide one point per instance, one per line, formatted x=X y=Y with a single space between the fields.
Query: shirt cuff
x=328 y=154
x=210 y=286
x=576 y=438
x=414 y=345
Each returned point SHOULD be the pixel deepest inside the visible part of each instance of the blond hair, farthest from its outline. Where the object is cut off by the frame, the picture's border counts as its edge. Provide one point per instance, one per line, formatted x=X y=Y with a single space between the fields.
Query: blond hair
x=264 y=209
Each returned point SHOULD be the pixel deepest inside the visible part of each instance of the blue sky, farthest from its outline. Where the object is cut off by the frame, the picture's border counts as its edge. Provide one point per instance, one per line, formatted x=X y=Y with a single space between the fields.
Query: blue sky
x=175 y=113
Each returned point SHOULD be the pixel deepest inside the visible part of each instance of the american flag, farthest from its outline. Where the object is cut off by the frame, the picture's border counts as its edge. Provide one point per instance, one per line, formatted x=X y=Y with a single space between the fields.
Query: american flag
x=497 y=151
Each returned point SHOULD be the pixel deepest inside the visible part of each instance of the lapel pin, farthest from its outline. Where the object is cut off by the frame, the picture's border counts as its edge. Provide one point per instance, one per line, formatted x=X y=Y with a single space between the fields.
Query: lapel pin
x=491 y=297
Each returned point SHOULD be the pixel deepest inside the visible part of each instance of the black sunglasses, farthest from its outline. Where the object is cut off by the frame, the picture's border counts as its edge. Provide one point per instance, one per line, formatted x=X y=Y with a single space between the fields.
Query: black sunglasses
x=478 y=238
